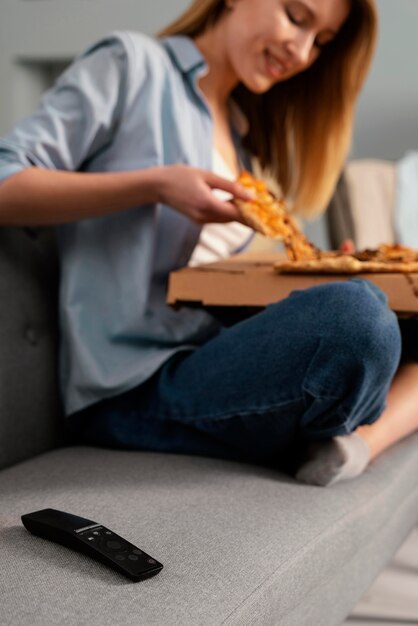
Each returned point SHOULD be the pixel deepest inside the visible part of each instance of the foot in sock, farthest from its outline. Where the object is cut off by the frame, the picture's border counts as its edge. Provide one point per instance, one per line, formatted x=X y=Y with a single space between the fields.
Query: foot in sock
x=331 y=461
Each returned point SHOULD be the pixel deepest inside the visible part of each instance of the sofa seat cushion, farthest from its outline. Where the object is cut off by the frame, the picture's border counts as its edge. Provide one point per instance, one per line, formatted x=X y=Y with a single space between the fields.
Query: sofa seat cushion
x=240 y=544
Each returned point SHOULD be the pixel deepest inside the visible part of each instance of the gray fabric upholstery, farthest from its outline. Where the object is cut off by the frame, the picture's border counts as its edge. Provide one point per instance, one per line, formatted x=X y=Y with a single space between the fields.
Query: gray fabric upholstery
x=29 y=405
x=241 y=545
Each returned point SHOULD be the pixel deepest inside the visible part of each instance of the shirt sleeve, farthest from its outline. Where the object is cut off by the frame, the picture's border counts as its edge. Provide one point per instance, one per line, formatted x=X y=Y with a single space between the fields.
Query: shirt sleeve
x=76 y=118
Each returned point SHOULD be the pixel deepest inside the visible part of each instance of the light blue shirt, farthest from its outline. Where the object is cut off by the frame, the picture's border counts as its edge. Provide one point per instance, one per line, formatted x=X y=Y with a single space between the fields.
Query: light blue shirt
x=129 y=102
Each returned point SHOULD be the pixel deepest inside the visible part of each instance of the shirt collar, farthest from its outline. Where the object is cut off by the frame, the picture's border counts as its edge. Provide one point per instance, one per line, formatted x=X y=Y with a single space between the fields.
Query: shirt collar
x=184 y=53
x=188 y=58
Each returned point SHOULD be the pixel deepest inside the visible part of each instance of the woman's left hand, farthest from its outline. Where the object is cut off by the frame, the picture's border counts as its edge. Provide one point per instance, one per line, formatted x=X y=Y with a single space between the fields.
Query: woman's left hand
x=347 y=246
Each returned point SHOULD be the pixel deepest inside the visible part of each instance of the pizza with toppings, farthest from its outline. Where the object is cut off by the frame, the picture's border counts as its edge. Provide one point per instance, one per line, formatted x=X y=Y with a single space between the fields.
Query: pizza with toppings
x=269 y=215
x=366 y=261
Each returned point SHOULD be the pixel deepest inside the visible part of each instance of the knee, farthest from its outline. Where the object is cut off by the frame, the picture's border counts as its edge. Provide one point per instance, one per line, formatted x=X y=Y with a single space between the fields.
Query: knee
x=367 y=326
x=358 y=353
x=353 y=317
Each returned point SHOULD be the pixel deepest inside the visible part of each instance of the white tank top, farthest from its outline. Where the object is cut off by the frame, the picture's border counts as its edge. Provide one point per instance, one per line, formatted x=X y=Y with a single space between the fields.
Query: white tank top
x=218 y=241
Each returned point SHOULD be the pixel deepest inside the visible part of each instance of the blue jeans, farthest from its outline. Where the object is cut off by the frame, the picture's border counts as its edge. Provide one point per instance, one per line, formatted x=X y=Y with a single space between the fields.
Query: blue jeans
x=312 y=366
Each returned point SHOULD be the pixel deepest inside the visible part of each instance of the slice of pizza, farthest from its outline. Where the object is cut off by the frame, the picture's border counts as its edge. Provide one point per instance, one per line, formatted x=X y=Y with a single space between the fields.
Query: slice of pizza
x=269 y=216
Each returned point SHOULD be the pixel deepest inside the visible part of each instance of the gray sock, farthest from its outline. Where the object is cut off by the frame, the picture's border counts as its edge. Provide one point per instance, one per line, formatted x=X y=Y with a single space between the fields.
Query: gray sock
x=333 y=460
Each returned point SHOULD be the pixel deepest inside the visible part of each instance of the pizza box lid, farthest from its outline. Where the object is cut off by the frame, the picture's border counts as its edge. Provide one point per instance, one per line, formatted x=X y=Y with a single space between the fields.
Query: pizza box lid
x=249 y=280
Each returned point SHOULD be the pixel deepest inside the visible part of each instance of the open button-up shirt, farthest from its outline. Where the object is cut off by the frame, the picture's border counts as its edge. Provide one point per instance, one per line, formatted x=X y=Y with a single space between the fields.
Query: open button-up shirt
x=129 y=102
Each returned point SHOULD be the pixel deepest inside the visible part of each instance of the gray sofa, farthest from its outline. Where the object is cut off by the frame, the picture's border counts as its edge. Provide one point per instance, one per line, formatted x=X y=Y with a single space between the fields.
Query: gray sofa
x=241 y=544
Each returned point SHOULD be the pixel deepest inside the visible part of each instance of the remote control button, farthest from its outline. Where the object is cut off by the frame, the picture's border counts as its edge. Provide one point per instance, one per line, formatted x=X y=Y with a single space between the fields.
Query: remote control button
x=108 y=532
x=136 y=551
x=119 y=557
x=132 y=557
x=91 y=538
x=152 y=561
x=114 y=545
x=95 y=532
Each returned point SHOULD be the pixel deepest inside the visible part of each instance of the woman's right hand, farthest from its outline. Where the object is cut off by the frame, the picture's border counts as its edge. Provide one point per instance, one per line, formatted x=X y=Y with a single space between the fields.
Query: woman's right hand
x=37 y=196
x=189 y=190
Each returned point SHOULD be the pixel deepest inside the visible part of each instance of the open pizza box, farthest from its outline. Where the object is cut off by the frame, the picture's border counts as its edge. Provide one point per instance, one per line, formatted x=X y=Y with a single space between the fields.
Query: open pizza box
x=249 y=282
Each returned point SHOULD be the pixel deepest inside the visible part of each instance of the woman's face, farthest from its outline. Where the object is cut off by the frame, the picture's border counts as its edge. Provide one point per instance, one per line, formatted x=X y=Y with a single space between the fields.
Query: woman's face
x=268 y=41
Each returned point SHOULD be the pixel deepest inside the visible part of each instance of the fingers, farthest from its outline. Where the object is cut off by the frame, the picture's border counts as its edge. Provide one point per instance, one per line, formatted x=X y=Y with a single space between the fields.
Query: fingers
x=347 y=246
x=222 y=211
x=218 y=211
x=232 y=187
x=190 y=191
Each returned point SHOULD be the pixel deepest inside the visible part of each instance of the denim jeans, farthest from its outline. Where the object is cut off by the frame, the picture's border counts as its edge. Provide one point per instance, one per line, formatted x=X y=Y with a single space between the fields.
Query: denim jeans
x=312 y=366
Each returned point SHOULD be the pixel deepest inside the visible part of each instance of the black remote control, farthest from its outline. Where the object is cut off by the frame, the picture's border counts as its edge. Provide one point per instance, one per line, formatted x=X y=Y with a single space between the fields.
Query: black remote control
x=94 y=540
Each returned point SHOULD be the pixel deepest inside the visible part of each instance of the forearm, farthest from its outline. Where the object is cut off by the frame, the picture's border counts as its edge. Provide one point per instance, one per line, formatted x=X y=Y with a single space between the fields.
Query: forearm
x=38 y=196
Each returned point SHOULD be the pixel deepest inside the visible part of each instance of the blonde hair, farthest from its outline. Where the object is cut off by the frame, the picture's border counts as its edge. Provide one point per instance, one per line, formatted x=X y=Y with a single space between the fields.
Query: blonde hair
x=301 y=129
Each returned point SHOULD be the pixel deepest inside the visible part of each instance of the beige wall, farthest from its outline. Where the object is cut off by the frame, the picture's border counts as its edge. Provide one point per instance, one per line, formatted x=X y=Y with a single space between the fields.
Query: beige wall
x=387 y=118
x=36 y=33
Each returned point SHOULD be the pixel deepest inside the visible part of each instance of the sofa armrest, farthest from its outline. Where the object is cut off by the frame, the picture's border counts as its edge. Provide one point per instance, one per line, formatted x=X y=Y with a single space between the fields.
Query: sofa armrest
x=371 y=186
x=29 y=397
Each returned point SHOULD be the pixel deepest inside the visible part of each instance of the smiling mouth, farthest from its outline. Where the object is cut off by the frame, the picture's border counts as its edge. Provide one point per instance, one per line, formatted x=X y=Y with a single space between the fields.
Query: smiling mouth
x=274 y=67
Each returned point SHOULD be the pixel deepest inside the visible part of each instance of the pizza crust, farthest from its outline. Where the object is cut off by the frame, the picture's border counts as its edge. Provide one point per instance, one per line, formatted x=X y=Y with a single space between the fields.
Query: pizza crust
x=344 y=264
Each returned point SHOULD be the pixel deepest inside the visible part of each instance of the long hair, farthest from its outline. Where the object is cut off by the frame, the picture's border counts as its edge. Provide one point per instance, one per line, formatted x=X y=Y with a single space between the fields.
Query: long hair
x=301 y=129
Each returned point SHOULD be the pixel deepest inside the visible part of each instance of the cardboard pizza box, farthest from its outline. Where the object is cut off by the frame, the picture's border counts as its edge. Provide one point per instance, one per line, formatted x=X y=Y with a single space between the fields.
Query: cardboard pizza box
x=248 y=280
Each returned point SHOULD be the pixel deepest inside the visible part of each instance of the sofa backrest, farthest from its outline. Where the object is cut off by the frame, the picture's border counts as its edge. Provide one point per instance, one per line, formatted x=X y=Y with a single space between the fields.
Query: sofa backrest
x=30 y=413
x=372 y=195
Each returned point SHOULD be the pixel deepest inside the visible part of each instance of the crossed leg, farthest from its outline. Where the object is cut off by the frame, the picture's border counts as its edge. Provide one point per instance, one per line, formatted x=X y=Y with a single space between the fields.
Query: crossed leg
x=345 y=457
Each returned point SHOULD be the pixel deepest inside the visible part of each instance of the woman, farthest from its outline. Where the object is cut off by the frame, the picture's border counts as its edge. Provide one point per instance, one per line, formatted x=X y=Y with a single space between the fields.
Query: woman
x=121 y=155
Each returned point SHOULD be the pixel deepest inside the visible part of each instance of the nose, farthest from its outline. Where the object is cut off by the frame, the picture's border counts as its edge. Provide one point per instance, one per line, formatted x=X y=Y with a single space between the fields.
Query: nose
x=300 y=48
